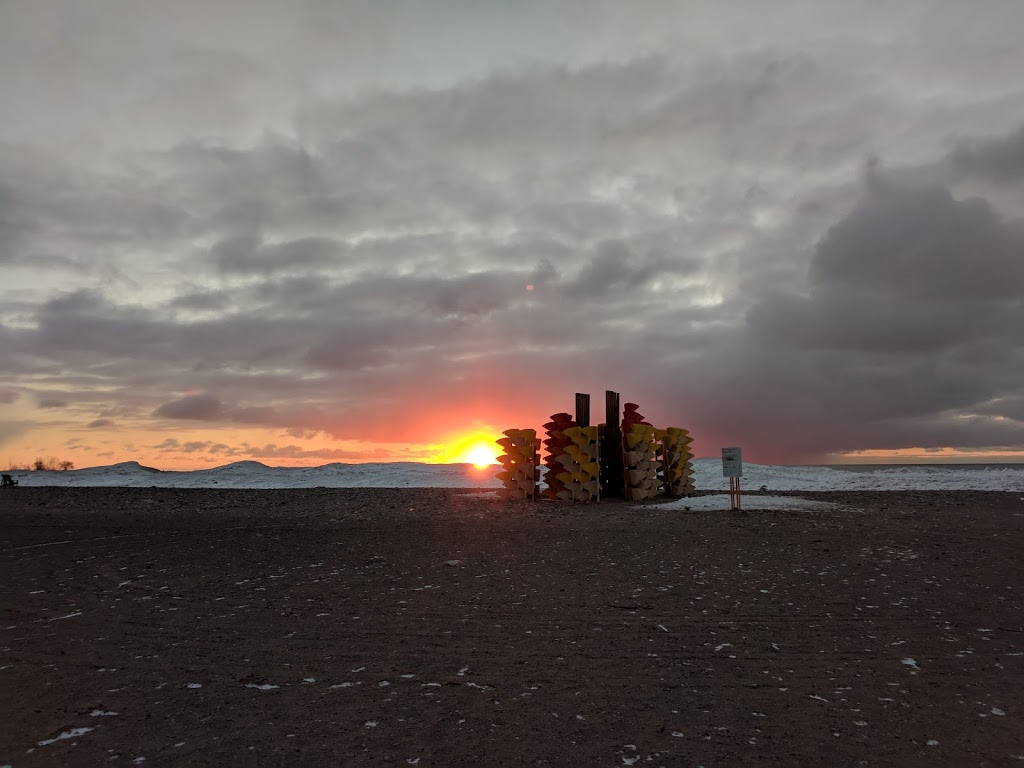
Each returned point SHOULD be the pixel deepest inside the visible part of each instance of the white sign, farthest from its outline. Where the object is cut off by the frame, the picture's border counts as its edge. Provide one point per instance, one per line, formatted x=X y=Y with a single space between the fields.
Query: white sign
x=732 y=462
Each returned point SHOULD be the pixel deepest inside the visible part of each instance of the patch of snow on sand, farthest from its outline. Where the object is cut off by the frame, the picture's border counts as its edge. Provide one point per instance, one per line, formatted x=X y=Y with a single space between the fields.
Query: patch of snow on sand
x=73 y=733
x=708 y=476
x=720 y=503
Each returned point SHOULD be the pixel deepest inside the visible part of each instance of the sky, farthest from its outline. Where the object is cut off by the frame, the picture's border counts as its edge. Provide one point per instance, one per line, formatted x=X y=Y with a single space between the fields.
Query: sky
x=315 y=231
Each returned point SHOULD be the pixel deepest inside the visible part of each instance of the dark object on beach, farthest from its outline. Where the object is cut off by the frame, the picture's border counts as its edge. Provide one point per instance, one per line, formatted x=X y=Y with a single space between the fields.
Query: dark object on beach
x=610 y=443
x=8 y=481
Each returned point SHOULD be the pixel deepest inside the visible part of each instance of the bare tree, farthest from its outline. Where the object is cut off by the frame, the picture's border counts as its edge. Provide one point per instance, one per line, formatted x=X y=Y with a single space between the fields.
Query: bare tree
x=49 y=464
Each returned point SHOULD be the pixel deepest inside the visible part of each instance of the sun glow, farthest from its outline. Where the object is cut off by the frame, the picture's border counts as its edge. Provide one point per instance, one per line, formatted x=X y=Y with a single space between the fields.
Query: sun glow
x=480 y=456
x=478 y=450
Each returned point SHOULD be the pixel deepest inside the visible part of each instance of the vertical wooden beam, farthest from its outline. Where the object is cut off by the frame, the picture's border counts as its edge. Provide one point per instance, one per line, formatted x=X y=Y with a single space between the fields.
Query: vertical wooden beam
x=582 y=410
x=612 y=480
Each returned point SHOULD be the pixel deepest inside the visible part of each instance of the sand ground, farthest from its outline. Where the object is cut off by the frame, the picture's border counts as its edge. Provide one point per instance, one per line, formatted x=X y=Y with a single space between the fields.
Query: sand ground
x=443 y=628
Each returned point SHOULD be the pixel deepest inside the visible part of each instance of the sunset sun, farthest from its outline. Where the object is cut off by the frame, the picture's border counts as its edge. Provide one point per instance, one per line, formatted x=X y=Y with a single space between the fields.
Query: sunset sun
x=480 y=455
x=479 y=450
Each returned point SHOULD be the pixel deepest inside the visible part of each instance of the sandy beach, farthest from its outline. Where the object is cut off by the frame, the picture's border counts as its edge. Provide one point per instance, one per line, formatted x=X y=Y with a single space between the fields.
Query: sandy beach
x=446 y=628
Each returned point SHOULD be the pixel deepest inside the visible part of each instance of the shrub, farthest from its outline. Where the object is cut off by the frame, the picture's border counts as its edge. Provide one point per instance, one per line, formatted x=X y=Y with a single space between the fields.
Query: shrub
x=51 y=464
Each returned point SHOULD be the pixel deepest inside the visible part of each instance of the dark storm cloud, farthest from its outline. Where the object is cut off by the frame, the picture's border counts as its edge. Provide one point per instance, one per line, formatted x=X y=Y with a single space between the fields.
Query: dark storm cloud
x=999 y=159
x=1005 y=407
x=905 y=333
x=921 y=243
x=52 y=402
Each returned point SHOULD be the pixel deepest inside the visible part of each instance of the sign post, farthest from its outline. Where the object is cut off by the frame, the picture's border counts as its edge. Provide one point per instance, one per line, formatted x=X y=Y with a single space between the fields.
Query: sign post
x=732 y=467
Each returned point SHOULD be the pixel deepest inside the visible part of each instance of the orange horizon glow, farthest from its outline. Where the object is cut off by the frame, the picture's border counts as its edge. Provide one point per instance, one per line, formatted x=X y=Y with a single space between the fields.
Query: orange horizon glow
x=946 y=455
x=478 y=449
x=186 y=446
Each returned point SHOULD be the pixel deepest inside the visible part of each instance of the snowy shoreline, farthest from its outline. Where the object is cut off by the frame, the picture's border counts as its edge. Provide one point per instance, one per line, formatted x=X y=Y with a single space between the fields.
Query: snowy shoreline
x=253 y=474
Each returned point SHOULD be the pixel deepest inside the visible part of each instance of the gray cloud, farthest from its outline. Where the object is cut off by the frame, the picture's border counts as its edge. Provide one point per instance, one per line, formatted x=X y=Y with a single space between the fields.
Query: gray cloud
x=905 y=333
x=202 y=407
x=999 y=159
x=921 y=243
x=250 y=255
x=365 y=250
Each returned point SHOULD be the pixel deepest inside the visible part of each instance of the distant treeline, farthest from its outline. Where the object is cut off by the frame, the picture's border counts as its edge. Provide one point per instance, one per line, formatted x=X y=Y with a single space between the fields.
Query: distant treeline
x=40 y=464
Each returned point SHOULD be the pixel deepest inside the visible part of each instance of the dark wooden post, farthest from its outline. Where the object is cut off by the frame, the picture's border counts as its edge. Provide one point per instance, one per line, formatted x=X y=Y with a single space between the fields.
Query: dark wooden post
x=582 y=410
x=612 y=481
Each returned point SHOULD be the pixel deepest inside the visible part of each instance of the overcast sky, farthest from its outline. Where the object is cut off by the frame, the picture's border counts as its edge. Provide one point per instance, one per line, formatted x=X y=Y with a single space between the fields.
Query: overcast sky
x=312 y=231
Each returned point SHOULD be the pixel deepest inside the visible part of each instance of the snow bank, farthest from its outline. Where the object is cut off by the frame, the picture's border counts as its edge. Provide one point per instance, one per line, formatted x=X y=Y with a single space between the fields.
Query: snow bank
x=253 y=474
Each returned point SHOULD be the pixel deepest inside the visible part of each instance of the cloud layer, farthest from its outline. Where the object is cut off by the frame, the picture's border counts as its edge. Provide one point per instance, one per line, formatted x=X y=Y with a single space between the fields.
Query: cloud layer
x=802 y=238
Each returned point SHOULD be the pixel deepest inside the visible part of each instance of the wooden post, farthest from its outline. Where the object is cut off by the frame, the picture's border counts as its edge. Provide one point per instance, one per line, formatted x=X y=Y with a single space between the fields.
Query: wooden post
x=612 y=480
x=582 y=409
x=735 y=497
x=732 y=467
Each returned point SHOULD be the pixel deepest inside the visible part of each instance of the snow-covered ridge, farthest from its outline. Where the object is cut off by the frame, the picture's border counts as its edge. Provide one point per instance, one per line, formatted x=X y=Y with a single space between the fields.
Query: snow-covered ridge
x=253 y=474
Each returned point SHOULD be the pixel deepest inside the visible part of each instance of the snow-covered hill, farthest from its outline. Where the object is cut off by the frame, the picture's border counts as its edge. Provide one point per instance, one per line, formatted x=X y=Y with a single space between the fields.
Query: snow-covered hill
x=253 y=474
